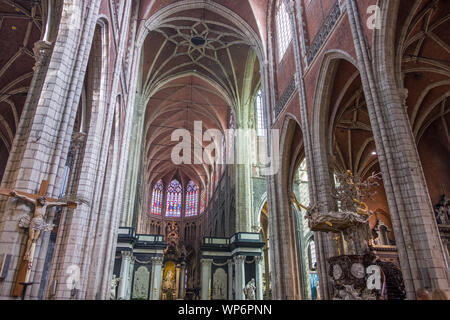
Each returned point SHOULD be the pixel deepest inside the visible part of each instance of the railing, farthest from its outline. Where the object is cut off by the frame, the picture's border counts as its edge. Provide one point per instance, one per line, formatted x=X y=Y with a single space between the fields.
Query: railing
x=281 y=103
x=324 y=31
x=150 y=238
x=241 y=236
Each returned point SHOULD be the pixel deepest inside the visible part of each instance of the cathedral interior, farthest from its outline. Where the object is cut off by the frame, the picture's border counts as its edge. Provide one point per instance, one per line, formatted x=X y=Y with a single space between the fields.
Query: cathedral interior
x=224 y=149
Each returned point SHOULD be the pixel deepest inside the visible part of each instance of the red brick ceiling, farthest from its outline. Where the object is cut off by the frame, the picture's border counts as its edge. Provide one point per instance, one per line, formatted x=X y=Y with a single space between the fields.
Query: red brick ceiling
x=187 y=82
x=20 y=28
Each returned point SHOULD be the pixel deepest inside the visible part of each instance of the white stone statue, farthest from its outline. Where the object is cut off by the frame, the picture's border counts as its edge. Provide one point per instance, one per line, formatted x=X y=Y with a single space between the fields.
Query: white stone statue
x=220 y=285
x=114 y=282
x=250 y=290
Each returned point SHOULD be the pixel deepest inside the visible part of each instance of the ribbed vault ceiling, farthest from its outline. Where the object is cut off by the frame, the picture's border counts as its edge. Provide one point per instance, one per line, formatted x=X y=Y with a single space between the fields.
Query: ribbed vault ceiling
x=197 y=66
x=20 y=28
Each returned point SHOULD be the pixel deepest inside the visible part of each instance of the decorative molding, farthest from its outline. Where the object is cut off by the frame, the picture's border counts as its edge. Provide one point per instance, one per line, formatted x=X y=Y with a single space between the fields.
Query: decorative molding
x=287 y=94
x=157 y=260
x=324 y=32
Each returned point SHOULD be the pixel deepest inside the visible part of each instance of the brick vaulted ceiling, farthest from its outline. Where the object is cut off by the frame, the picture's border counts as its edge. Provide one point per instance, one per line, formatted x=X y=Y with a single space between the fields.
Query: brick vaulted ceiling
x=197 y=66
x=423 y=68
x=423 y=53
x=20 y=28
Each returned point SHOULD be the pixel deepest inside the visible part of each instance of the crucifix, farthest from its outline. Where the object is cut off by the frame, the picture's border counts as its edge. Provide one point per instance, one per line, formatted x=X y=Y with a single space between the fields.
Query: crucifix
x=35 y=225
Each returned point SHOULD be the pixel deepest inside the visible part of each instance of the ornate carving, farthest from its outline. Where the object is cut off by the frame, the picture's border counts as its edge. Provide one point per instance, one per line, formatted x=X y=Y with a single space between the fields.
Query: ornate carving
x=350 y=279
x=157 y=260
x=220 y=285
x=41 y=50
x=403 y=94
x=239 y=259
x=250 y=290
x=324 y=31
x=141 y=283
x=281 y=103
x=114 y=282
x=353 y=216
x=442 y=211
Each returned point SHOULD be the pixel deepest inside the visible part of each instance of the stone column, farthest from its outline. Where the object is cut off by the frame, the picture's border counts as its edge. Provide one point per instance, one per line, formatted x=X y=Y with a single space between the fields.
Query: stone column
x=317 y=172
x=156 y=277
x=259 y=281
x=130 y=277
x=240 y=277
x=124 y=275
x=177 y=282
x=206 y=278
x=267 y=269
x=182 y=281
x=230 y=279
x=421 y=255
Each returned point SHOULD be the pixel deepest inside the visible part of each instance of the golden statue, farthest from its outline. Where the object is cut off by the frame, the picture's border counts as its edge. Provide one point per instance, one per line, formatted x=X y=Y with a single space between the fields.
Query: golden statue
x=298 y=204
x=363 y=209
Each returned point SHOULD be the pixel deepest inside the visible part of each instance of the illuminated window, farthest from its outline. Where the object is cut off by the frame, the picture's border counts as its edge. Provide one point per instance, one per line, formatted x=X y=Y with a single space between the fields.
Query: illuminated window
x=157 y=196
x=284 y=35
x=260 y=121
x=174 y=193
x=191 y=200
x=312 y=256
x=202 y=202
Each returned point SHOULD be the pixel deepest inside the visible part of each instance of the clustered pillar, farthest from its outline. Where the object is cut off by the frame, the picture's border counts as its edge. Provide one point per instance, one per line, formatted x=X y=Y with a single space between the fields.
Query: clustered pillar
x=240 y=277
x=156 y=277
x=124 y=275
x=206 y=278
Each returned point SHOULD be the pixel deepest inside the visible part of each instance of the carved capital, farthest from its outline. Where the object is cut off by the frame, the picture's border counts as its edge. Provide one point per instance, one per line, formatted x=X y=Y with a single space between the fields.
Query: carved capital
x=258 y=259
x=157 y=260
x=239 y=259
x=206 y=261
x=41 y=50
x=403 y=94
x=126 y=255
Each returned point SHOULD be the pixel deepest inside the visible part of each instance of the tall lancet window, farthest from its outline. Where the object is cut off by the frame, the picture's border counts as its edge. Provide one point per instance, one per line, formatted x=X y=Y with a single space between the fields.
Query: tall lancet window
x=260 y=121
x=191 y=200
x=202 y=201
x=174 y=193
x=284 y=34
x=157 y=197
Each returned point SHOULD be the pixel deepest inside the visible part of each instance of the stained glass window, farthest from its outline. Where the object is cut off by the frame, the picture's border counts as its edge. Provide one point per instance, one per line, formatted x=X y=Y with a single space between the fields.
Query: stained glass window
x=284 y=34
x=157 y=197
x=191 y=200
x=260 y=115
x=173 y=207
x=202 y=201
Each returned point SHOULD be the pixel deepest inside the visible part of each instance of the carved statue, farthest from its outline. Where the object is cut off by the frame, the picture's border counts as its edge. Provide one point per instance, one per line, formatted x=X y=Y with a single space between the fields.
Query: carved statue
x=442 y=210
x=218 y=288
x=348 y=292
x=114 y=282
x=35 y=225
x=220 y=284
x=168 y=281
x=172 y=234
x=352 y=191
x=250 y=290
